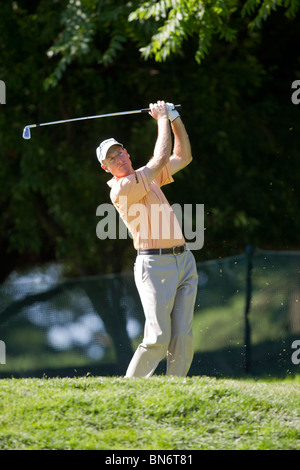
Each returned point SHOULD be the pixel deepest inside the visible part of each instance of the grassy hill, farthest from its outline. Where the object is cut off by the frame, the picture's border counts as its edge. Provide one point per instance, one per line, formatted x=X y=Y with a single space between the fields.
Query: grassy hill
x=167 y=413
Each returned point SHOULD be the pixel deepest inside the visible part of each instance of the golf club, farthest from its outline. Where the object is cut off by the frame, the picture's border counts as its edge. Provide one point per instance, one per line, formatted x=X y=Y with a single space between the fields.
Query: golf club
x=27 y=134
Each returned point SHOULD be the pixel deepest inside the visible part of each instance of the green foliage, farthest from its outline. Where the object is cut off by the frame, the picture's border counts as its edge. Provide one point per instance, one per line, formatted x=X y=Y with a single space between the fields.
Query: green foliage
x=166 y=26
x=263 y=8
x=231 y=71
x=83 y=22
x=178 y=19
x=182 y=19
x=78 y=30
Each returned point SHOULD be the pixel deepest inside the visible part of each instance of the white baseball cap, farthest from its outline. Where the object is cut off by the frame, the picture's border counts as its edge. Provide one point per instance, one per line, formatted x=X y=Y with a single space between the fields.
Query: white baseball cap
x=103 y=148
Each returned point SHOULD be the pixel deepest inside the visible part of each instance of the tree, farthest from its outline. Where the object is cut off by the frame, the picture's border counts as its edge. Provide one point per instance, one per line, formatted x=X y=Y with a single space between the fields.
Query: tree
x=163 y=26
x=236 y=107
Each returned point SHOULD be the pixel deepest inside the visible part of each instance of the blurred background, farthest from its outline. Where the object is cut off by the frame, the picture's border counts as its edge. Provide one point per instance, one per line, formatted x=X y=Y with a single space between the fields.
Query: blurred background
x=67 y=298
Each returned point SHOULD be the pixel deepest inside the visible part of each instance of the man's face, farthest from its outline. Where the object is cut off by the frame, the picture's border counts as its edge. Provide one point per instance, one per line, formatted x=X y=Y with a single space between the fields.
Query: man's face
x=117 y=162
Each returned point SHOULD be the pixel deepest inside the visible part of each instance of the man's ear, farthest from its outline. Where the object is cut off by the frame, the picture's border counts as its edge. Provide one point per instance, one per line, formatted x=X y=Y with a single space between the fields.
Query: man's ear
x=104 y=167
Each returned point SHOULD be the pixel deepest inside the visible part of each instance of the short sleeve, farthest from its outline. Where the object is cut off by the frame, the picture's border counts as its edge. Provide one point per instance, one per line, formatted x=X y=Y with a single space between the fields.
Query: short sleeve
x=165 y=176
x=131 y=188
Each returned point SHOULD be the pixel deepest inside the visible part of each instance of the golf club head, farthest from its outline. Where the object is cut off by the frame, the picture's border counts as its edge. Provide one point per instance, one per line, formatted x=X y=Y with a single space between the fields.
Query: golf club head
x=26 y=133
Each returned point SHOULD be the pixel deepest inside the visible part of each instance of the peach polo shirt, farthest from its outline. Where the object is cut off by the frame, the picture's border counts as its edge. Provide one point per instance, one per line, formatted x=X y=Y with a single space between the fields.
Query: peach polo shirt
x=145 y=209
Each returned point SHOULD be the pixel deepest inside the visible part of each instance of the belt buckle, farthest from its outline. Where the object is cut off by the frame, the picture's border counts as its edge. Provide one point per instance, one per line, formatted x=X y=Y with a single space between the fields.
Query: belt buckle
x=177 y=250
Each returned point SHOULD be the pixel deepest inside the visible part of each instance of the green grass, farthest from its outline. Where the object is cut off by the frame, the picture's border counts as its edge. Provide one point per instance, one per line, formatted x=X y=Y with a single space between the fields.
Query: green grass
x=159 y=413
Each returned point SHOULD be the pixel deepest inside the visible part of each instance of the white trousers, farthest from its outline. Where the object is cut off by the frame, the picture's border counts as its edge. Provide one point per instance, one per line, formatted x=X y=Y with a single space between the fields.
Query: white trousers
x=167 y=285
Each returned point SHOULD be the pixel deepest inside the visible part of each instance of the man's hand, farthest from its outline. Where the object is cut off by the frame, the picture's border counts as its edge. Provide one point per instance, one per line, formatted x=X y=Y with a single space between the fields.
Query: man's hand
x=158 y=110
x=172 y=112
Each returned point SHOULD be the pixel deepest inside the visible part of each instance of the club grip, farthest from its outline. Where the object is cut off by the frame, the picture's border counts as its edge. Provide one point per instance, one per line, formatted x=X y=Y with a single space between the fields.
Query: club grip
x=146 y=110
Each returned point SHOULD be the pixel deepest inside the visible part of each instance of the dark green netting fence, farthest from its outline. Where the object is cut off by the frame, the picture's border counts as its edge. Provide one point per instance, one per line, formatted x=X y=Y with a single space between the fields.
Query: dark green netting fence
x=247 y=317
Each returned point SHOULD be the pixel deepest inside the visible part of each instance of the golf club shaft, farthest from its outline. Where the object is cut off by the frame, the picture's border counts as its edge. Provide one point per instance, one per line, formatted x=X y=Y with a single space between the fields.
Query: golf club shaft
x=122 y=113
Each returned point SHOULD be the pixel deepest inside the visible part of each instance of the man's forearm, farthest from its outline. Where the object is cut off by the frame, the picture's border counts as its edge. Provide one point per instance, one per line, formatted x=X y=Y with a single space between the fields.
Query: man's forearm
x=182 y=146
x=162 y=149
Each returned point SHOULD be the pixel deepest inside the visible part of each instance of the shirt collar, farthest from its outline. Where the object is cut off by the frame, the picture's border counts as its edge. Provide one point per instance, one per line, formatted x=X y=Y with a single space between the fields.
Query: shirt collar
x=112 y=181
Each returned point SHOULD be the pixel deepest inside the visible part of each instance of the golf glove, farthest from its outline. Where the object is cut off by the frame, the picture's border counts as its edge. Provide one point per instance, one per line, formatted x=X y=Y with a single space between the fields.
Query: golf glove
x=172 y=112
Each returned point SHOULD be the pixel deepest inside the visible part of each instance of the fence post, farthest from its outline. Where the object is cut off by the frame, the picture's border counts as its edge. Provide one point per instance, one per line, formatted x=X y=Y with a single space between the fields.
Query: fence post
x=247 y=332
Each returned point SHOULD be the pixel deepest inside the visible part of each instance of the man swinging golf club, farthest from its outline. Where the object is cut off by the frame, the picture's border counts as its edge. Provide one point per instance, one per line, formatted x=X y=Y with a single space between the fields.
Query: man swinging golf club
x=165 y=271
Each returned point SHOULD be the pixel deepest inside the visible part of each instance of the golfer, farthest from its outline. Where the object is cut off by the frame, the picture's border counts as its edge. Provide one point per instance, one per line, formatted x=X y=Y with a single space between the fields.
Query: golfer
x=165 y=270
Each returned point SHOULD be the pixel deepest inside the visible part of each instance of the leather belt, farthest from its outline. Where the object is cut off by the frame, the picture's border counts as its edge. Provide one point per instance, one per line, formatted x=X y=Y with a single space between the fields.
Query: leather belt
x=176 y=250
